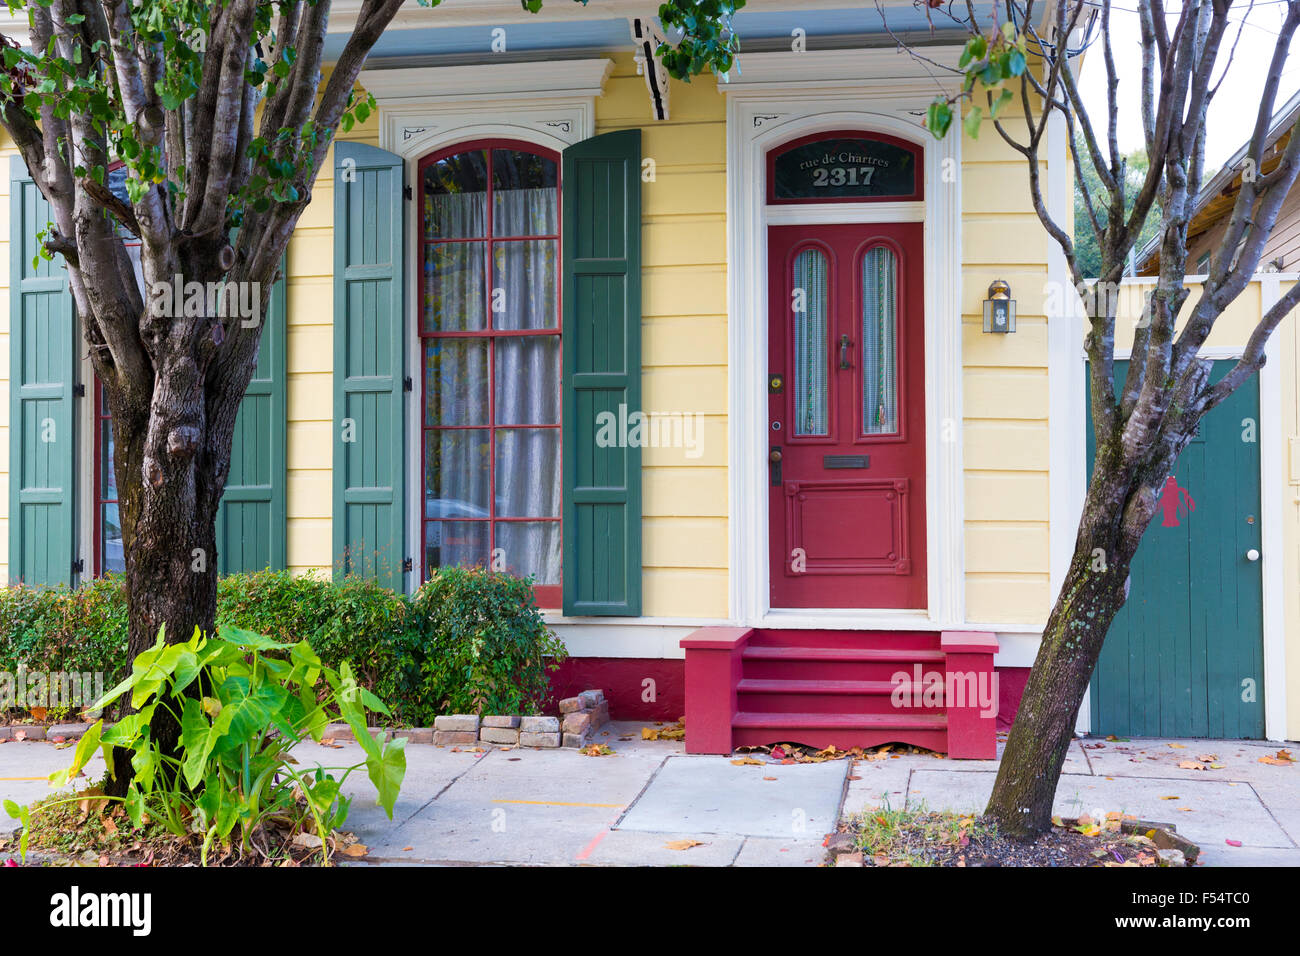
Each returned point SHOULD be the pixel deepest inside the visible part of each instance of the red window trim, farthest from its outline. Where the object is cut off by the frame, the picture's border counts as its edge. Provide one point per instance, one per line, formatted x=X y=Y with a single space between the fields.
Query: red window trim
x=547 y=596
x=100 y=415
x=918 y=157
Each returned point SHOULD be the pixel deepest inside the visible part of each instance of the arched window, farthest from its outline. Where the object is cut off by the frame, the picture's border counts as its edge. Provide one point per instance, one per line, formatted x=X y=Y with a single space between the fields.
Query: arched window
x=489 y=314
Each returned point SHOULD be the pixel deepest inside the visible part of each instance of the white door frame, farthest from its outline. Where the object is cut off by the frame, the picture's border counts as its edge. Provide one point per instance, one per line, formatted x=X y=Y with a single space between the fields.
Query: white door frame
x=757 y=120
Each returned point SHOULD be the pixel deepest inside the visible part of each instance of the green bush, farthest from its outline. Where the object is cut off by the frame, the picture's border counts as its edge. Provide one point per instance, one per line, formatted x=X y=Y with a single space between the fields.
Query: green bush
x=487 y=650
x=469 y=640
x=55 y=629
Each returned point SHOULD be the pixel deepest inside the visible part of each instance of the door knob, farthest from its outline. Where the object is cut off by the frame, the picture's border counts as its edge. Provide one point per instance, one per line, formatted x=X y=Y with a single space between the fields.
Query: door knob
x=845 y=344
x=1252 y=555
x=774 y=456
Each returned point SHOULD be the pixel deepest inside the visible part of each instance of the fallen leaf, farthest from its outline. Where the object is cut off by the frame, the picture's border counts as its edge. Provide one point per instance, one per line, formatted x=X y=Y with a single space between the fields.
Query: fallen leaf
x=769 y=778
x=309 y=840
x=38 y=713
x=407 y=849
x=103 y=859
x=746 y=762
x=1169 y=798
x=356 y=849
x=596 y=750
x=20 y=735
x=1192 y=765
x=681 y=844
x=1179 y=746
x=109 y=826
x=1280 y=759
x=1208 y=758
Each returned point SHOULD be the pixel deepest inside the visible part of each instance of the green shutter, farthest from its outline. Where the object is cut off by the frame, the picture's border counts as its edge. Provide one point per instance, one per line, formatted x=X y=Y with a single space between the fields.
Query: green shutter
x=42 y=375
x=601 y=187
x=251 y=523
x=368 y=376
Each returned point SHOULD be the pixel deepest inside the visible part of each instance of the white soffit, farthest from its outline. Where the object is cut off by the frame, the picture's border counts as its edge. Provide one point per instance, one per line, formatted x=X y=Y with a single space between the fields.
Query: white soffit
x=535 y=80
x=846 y=66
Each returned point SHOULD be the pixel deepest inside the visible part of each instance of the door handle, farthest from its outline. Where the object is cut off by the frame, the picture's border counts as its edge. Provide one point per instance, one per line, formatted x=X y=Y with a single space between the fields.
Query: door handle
x=845 y=345
x=774 y=465
x=1252 y=555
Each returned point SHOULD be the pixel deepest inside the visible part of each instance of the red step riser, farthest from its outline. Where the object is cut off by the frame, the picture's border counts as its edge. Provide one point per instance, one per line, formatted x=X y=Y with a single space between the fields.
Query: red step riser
x=836 y=670
x=840 y=739
x=773 y=703
x=899 y=640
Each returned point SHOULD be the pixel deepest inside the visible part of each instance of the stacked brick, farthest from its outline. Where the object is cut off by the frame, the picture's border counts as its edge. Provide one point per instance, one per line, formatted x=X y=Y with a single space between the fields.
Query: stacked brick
x=580 y=717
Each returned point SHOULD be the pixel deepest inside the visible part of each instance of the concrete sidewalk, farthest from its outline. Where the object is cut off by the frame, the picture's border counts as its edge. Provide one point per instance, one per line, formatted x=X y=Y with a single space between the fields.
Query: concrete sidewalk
x=650 y=804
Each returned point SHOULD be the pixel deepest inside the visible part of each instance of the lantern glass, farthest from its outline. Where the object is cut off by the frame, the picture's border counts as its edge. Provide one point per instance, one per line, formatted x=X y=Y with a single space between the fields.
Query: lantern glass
x=999 y=315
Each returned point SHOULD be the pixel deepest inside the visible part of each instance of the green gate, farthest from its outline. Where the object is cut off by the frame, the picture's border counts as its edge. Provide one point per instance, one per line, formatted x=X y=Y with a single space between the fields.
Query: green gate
x=1184 y=656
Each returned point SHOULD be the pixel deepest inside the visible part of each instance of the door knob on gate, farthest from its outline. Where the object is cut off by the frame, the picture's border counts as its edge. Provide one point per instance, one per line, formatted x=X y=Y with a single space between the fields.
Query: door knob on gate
x=774 y=455
x=1252 y=555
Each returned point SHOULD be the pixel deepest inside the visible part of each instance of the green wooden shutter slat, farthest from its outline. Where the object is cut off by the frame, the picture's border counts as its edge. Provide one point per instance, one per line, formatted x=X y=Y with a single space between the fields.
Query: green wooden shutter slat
x=368 y=470
x=601 y=188
x=252 y=520
x=42 y=437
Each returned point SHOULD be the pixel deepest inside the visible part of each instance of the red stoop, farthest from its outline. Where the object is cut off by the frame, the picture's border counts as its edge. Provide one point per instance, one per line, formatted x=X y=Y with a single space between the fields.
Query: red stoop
x=746 y=686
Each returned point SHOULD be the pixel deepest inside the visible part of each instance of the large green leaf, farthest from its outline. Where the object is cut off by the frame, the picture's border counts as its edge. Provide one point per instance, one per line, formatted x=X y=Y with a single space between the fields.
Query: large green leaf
x=387 y=770
x=86 y=748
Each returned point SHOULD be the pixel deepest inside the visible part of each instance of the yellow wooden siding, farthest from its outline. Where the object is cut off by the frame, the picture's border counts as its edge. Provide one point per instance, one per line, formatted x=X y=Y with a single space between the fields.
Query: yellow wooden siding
x=1005 y=391
x=683 y=337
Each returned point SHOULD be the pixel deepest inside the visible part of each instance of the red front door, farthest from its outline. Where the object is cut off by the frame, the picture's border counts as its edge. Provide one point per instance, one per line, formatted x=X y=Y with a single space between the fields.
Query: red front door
x=846 y=416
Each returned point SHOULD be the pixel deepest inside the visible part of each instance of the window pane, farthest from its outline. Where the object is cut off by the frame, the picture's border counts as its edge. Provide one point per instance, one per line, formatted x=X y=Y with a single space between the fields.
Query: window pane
x=451 y=543
x=456 y=482
x=455 y=382
x=454 y=287
x=455 y=196
x=113 y=557
x=523 y=284
x=523 y=194
x=528 y=380
x=528 y=472
x=531 y=548
x=107 y=480
x=810 y=345
x=879 y=342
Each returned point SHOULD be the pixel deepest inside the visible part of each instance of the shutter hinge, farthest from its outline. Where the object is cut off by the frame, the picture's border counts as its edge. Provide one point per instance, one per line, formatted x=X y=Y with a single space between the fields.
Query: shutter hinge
x=406 y=192
x=408 y=565
x=408 y=384
x=79 y=566
x=79 y=390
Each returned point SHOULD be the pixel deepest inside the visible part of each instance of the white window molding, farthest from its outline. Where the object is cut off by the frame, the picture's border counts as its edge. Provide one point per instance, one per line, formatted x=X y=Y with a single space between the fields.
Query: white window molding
x=777 y=98
x=549 y=103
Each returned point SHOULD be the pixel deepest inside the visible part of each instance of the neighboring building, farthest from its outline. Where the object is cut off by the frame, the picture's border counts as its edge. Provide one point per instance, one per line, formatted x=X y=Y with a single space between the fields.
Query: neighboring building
x=708 y=361
x=1213 y=208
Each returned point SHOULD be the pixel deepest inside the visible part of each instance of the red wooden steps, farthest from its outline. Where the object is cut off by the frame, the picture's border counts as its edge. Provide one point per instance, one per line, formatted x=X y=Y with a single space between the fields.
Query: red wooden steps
x=746 y=687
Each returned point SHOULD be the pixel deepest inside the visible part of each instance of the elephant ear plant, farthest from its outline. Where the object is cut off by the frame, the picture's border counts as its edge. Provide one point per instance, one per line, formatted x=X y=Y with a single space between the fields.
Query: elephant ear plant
x=243 y=702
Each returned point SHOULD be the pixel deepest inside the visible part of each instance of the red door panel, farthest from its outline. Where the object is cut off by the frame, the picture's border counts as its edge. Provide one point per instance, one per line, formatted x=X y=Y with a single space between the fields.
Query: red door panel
x=846 y=416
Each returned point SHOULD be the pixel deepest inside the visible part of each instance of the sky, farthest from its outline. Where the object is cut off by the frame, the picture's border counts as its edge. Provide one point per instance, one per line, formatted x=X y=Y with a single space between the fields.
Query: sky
x=1232 y=112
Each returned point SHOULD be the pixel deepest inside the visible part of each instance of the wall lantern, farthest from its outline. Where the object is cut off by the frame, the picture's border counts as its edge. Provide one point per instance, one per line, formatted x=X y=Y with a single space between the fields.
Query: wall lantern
x=999 y=308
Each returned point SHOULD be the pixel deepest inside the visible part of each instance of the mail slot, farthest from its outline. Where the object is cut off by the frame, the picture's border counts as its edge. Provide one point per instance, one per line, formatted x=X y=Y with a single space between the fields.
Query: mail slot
x=846 y=461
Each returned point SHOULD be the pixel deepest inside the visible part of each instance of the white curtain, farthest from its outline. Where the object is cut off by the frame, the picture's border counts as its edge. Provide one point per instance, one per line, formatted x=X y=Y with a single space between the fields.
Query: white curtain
x=810 y=344
x=523 y=295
